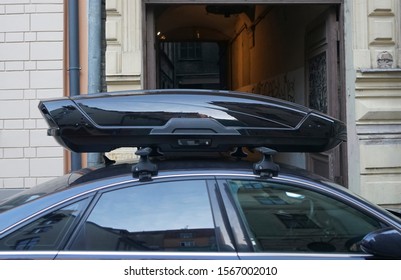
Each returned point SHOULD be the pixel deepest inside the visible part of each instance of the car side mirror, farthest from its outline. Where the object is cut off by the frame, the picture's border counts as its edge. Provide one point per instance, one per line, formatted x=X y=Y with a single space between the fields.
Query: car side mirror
x=383 y=243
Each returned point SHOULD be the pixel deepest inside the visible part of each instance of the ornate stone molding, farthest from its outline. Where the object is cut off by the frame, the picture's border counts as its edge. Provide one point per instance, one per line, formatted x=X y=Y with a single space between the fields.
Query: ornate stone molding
x=383 y=32
x=124 y=44
x=378 y=96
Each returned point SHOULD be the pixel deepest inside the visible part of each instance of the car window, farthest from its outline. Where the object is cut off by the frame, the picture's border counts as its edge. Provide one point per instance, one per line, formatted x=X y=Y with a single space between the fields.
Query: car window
x=286 y=218
x=45 y=233
x=167 y=216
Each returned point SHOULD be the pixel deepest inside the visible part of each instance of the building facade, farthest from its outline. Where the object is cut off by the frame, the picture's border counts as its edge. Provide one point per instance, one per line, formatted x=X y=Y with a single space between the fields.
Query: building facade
x=31 y=68
x=374 y=88
x=349 y=50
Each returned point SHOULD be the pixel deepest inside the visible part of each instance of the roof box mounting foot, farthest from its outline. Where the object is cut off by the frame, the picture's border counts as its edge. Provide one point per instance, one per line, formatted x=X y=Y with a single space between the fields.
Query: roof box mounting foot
x=266 y=168
x=144 y=169
x=238 y=153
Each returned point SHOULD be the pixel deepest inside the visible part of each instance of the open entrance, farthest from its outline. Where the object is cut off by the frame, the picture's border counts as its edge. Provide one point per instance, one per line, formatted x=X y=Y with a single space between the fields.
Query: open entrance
x=191 y=65
x=276 y=48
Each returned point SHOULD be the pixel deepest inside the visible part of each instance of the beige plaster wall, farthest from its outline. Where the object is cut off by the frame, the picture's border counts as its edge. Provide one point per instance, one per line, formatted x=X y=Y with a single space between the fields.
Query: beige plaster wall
x=375 y=100
x=31 y=69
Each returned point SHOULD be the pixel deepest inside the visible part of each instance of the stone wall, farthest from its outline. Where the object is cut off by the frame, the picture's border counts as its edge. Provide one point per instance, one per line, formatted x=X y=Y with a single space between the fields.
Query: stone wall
x=124 y=45
x=31 y=68
x=376 y=109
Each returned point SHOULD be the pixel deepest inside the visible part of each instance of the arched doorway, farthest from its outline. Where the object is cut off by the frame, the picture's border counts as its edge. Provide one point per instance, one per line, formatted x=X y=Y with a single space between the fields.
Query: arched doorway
x=262 y=47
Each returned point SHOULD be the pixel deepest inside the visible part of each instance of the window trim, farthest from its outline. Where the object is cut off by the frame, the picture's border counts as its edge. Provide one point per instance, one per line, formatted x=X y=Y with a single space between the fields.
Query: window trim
x=141 y=255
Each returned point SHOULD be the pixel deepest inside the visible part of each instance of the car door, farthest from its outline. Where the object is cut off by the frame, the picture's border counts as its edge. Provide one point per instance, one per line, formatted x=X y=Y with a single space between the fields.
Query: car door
x=285 y=219
x=162 y=219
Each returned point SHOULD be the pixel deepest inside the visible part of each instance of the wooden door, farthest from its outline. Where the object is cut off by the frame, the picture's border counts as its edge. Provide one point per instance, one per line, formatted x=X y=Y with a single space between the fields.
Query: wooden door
x=324 y=88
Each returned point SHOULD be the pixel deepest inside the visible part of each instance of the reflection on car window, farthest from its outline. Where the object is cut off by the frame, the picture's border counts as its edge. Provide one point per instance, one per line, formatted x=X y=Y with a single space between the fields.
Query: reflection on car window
x=38 y=191
x=168 y=216
x=284 y=218
x=45 y=233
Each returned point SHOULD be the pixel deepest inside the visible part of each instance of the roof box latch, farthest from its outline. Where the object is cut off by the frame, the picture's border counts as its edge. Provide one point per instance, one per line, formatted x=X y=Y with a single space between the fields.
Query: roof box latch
x=266 y=168
x=144 y=169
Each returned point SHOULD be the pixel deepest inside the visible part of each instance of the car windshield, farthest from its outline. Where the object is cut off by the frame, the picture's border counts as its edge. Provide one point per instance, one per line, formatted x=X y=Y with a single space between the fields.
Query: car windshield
x=37 y=191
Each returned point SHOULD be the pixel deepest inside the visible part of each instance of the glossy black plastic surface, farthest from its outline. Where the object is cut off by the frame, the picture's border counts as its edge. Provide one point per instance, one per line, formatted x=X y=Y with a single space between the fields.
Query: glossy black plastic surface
x=188 y=120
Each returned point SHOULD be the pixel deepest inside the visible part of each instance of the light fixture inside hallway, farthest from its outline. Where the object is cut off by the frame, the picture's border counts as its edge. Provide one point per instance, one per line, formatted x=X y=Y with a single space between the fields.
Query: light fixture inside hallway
x=160 y=35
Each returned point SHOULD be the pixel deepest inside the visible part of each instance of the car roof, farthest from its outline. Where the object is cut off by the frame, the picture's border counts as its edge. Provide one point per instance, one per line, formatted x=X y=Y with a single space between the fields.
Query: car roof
x=103 y=174
x=188 y=165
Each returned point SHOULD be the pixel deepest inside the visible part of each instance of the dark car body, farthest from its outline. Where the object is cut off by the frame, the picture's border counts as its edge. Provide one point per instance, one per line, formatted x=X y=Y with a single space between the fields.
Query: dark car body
x=205 y=185
x=53 y=226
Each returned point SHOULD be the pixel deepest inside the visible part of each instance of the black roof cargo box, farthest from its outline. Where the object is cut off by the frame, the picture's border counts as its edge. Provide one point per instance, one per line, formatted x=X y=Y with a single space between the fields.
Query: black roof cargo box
x=188 y=120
